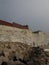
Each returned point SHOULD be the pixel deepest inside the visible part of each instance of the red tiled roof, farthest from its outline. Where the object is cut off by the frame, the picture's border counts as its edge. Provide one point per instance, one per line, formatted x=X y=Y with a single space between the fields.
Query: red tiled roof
x=13 y=24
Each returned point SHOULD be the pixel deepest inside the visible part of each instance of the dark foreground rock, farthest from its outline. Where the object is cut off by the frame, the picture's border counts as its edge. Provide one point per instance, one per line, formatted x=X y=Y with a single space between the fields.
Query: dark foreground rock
x=36 y=56
x=22 y=54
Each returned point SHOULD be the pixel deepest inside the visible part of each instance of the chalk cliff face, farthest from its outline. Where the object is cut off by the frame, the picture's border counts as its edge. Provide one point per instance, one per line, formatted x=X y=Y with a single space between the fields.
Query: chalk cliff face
x=19 y=33
x=41 y=38
x=12 y=34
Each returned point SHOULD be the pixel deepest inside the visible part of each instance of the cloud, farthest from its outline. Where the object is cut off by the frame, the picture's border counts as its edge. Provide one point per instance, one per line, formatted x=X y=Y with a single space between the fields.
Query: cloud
x=35 y=13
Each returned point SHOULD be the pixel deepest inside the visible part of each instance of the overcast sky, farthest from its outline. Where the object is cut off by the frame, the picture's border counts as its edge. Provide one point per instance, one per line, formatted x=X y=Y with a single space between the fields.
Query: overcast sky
x=35 y=13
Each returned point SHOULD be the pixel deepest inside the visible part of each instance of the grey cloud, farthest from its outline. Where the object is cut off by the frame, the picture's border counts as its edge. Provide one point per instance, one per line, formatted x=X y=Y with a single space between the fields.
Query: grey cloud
x=35 y=13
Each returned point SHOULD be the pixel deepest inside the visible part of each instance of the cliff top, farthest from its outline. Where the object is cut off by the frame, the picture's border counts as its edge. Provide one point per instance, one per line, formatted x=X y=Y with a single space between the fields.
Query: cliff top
x=13 y=24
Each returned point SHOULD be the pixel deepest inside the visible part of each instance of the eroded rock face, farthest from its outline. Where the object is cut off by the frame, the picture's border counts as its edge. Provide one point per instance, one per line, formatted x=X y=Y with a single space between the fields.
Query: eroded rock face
x=22 y=54
x=36 y=56
x=12 y=51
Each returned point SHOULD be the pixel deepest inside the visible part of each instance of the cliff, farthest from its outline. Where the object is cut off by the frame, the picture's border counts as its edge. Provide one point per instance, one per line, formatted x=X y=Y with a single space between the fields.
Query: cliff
x=16 y=40
x=13 y=32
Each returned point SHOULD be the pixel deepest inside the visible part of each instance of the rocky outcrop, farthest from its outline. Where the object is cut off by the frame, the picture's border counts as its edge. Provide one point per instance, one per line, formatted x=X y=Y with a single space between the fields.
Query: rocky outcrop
x=36 y=56
x=12 y=51
x=16 y=53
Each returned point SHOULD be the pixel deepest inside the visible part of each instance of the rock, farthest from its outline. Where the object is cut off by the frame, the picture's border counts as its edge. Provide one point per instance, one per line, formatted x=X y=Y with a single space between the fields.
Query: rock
x=15 y=63
x=36 y=56
x=4 y=63
x=12 y=51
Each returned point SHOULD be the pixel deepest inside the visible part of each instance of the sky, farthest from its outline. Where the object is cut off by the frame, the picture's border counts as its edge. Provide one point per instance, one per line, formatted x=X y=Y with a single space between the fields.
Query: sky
x=34 y=13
